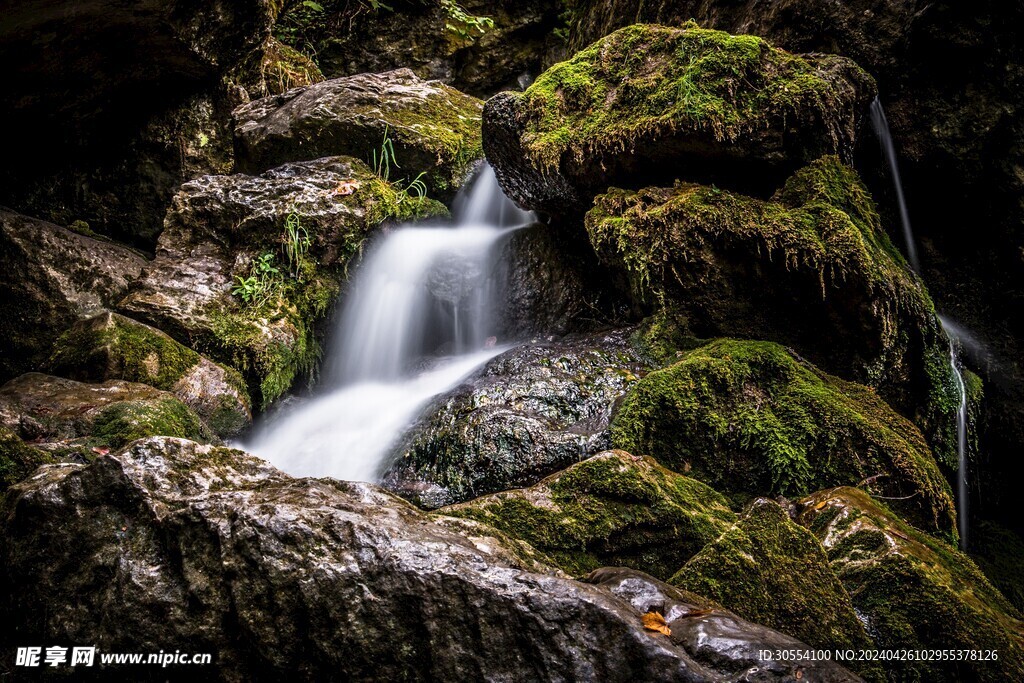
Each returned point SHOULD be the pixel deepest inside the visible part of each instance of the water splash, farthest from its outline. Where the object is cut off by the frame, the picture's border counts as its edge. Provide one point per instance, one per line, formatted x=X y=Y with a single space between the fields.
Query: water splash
x=415 y=322
x=881 y=126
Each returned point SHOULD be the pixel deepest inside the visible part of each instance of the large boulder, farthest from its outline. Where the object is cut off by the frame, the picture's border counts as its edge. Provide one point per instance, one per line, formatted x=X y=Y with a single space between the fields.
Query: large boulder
x=611 y=509
x=75 y=419
x=527 y=413
x=477 y=46
x=650 y=104
x=749 y=418
x=811 y=268
x=916 y=592
x=222 y=282
x=211 y=550
x=430 y=128
x=111 y=346
x=771 y=570
x=53 y=277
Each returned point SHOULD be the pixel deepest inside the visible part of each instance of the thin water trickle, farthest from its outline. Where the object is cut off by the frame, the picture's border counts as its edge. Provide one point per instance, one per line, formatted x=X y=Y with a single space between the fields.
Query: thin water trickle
x=881 y=126
x=415 y=321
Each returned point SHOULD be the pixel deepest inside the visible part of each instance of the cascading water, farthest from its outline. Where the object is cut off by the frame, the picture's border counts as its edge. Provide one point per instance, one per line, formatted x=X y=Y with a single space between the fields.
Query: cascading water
x=415 y=322
x=881 y=127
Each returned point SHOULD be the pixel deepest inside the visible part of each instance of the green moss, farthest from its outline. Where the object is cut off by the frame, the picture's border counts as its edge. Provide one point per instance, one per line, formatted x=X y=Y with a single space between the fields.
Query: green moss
x=749 y=418
x=645 y=79
x=999 y=553
x=915 y=591
x=125 y=421
x=18 y=459
x=608 y=510
x=774 y=572
x=285 y=68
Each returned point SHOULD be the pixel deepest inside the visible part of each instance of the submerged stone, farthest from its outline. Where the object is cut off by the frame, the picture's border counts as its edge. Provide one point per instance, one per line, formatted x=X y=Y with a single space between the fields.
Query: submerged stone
x=611 y=509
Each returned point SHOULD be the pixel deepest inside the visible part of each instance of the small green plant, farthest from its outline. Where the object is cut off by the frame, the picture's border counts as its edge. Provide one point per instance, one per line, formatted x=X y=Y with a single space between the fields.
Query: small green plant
x=259 y=286
x=417 y=187
x=463 y=25
x=384 y=156
x=296 y=244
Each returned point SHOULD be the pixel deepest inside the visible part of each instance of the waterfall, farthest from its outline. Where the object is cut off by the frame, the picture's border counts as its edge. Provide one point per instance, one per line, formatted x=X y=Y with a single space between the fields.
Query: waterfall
x=881 y=126
x=952 y=331
x=415 y=321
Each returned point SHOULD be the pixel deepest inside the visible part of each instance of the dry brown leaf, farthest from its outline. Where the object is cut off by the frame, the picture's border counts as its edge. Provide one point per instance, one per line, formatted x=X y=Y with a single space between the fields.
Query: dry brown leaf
x=694 y=613
x=346 y=187
x=821 y=505
x=100 y=451
x=654 y=621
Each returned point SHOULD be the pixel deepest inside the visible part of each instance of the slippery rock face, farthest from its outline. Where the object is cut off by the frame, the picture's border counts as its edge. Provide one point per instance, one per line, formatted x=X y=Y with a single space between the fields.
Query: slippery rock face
x=525 y=414
x=750 y=418
x=914 y=591
x=71 y=418
x=111 y=346
x=433 y=129
x=433 y=39
x=811 y=268
x=613 y=509
x=222 y=228
x=650 y=104
x=52 y=277
x=213 y=550
x=773 y=571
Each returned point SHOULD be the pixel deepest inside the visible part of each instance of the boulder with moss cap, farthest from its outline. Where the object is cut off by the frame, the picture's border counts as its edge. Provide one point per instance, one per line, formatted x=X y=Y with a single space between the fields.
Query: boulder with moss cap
x=111 y=346
x=216 y=230
x=648 y=104
x=432 y=129
x=811 y=268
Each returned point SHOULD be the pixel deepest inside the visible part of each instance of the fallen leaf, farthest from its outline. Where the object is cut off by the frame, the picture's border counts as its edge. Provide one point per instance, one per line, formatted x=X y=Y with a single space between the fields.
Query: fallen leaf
x=694 y=613
x=346 y=187
x=100 y=451
x=821 y=505
x=654 y=621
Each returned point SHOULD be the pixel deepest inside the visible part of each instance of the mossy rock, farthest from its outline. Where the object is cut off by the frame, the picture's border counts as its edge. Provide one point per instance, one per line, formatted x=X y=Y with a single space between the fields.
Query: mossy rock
x=111 y=346
x=772 y=571
x=220 y=226
x=999 y=553
x=647 y=101
x=432 y=129
x=749 y=418
x=811 y=268
x=610 y=510
x=18 y=459
x=914 y=591
x=75 y=420
x=284 y=68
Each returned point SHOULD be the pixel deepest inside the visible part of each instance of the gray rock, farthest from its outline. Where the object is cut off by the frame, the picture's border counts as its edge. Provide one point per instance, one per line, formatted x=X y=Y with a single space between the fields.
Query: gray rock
x=527 y=413
x=434 y=129
x=52 y=277
x=171 y=545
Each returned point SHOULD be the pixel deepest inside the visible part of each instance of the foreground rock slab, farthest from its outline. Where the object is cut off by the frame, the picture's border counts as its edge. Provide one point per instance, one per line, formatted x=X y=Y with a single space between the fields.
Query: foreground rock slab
x=181 y=545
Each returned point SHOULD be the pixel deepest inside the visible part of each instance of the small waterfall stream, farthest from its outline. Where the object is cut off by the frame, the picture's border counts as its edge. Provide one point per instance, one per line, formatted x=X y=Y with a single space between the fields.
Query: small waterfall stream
x=416 y=321
x=881 y=127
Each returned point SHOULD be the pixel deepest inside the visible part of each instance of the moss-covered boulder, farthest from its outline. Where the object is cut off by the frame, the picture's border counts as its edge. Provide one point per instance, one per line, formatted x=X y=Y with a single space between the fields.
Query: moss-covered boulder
x=772 y=571
x=74 y=420
x=18 y=459
x=285 y=68
x=393 y=120
x=916 y=592
x=111 y=346
x=648 y=104
x=811 y=268
x=750 y=418
x=529 y=412
x=248 y=267
x=612 y=509
x=52 y=276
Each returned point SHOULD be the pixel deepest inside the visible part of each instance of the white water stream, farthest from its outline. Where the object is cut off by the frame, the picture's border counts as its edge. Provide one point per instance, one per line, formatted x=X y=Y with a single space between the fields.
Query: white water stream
x=416 y=321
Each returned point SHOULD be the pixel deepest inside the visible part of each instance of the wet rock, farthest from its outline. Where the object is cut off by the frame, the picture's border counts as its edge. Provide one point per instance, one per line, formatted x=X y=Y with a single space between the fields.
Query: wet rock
x=68 y=418
x=18 y=459
x=811 y=268
x=772 y=571
x=915 y=592
x=651 y=104
x=529 y=412
x=612 y=509
x=223 y=230
x=52 y=277
x=434 y=129
x=427 y=38
x=111 y=346
x=749 y=418
x=211 y=549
